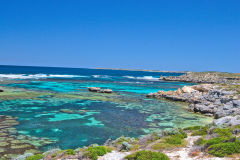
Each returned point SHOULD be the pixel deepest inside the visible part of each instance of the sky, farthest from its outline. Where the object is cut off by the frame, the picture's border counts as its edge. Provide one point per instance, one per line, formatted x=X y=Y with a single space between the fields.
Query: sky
x=174 y=35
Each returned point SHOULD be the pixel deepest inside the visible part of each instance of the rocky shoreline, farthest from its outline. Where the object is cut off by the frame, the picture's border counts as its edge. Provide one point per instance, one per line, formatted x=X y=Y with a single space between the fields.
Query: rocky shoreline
x=218 y=95
x=205 y=98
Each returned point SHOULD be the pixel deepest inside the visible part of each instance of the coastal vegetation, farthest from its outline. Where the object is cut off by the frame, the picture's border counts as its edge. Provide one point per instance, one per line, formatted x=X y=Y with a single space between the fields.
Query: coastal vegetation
x=35 y=157
x=172 y=141
x=217 y=141
x=147 y=155
x=94 y=152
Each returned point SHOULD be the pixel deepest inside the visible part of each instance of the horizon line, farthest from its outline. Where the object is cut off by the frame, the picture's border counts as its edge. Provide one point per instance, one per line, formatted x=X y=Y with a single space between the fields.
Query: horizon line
x=127 y=69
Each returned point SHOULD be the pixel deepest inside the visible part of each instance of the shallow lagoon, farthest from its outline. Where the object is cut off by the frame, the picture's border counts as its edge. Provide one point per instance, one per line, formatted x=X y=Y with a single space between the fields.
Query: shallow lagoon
x=62 y=109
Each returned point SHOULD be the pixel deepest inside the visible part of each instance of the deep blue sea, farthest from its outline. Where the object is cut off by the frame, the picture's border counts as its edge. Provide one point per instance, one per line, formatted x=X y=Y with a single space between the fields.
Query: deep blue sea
x=55 y=103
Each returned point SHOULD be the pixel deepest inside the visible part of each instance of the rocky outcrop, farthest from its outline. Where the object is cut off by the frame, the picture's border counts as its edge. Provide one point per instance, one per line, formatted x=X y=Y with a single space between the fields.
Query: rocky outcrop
x=106 y=91
x=204 y=77
x=228 y=121
x=205 y=98
x=94 y=89
x=189 y=94
x=99 y=90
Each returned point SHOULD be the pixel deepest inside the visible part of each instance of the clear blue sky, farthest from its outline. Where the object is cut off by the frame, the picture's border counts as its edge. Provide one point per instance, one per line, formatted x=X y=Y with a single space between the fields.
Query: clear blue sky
x=196 y=35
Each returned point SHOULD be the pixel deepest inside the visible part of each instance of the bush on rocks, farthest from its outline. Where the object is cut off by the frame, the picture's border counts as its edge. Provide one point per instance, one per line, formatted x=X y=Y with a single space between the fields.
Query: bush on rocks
x=70 y=152
x=193 y=128
x=94 y=152
x=172 y=141
x=201 y=132
x=147 y=155
x=225 y=132
x=35 y=157
x=224 y=149
x=224 y=144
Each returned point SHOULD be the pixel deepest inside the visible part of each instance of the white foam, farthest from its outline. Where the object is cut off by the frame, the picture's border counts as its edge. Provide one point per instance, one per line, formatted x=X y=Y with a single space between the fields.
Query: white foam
x=11 y=76
x=149 y=78
x=64 y=76
x=36 y=76
x=101 y=76
x=131 y=77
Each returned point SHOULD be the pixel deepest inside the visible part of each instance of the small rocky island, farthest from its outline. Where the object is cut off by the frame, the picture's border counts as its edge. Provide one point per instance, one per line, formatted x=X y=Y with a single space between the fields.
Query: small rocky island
x=99 y=90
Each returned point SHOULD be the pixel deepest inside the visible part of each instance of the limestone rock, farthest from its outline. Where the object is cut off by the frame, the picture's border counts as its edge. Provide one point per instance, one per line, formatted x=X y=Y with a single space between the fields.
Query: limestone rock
x=236 y=103
x=228 y=121
x=94 y=89
x=187 y=89
x=99 y=90
x=106 y=91
x=204 y=98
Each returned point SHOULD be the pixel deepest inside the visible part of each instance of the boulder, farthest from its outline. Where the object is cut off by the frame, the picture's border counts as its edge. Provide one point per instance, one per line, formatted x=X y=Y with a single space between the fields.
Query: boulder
x=228 y=121
x=99 y=90
x=106 y=91
x=202 y=88
x=125 y=146
x=236 y=103
x=187 y=89
x=217 y=102
x=94 y=89
x=203 y=109
x=1 y=90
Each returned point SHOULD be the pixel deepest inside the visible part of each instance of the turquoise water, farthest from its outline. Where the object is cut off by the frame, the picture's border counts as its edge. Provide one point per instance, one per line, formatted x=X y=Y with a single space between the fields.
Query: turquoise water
x=59 y=107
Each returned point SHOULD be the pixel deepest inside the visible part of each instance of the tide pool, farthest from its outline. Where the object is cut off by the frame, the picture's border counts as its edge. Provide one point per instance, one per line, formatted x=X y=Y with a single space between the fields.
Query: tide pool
x=60 y=108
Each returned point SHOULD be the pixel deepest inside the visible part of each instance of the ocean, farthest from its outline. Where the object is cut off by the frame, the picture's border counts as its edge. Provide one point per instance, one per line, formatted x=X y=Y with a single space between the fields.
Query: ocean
x=54 y=104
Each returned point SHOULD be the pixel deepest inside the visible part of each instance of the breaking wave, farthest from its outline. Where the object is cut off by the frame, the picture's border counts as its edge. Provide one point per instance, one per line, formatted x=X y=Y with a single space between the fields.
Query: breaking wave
x=148 y=78
x=36 y=76
x=101 y=76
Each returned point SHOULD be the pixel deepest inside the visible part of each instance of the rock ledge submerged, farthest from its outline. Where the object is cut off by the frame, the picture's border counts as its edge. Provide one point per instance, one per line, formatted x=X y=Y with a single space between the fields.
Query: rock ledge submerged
x=99 y=90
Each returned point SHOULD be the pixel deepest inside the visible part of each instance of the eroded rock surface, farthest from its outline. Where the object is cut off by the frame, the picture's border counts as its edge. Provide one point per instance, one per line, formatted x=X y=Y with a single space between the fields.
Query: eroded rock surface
x=99 y=90
x=205 y=98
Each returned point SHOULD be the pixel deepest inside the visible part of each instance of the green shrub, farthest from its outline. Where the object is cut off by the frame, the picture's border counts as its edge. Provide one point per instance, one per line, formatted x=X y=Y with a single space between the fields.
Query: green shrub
x=193 y=128
x=173 y=140
x=221 y=146
x=54 y=155
x=201 y=132
x=218 y=140
x=200 y=142
x=147 y=155
x=224 y=149
x=236 y=127
x=35 y=157
x=169 y=142
x=182 y=134
x=70 y=152
x=224 y=132
x=176 y=138
x=135 y=147
x=94 y=152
